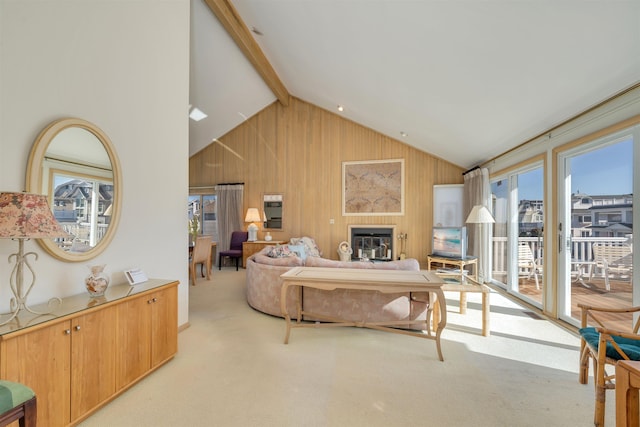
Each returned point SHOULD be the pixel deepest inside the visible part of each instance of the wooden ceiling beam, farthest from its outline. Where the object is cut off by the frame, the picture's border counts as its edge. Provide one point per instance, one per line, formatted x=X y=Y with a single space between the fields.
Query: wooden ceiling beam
x=237 y=29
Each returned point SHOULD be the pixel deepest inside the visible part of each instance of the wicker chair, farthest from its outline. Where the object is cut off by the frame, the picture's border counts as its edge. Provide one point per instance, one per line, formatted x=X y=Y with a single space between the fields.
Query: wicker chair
x=605 y=347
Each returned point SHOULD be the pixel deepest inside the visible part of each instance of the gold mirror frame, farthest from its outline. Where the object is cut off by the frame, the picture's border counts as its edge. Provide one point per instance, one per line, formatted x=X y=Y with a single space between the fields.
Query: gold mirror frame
x=34 y=181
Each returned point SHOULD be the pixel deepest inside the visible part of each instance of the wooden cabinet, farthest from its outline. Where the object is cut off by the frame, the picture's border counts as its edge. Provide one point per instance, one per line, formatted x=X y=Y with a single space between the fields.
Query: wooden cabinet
x=250 y=248
x=147 y=334
x=79 y=359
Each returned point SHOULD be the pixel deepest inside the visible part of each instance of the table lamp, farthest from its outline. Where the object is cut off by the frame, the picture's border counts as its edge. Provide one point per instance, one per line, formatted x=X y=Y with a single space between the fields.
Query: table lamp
x=253 y=216
x=25 y=216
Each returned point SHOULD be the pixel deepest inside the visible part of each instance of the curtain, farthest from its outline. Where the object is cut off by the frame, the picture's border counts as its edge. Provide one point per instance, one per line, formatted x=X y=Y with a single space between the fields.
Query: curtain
x=230 y=201
x=477 y=191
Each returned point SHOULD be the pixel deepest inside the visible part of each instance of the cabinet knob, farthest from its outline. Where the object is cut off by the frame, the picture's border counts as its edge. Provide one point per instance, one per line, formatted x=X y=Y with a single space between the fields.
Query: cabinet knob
x=67 y=331
x=77 y=327
x=155 y=299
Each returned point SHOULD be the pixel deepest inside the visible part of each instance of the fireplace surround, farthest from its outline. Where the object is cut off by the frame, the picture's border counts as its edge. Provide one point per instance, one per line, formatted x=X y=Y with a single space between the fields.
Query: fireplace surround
x=373 y=242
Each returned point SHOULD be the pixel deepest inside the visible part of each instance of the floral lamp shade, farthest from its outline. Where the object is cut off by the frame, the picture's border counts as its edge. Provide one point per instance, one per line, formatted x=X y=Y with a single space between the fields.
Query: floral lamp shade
x=27 y=215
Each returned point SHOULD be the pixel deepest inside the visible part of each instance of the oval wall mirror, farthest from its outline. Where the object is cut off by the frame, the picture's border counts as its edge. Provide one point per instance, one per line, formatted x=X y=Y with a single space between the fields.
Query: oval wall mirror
x=75 y=164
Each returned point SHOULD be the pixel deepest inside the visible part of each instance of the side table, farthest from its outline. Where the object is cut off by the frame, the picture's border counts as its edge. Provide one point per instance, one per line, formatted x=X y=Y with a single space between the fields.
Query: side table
x=456 y=267
x=250 y=248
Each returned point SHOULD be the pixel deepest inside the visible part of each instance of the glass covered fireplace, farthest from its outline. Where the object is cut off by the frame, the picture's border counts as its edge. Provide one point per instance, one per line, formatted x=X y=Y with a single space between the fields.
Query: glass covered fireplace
x=373 y=242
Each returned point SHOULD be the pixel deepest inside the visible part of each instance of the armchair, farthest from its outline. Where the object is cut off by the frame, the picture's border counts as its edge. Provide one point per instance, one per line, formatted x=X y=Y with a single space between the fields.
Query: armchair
x=604 y=346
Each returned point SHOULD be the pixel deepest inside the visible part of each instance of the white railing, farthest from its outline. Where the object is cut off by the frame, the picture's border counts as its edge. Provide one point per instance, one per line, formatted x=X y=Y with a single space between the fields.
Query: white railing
x=581 y=249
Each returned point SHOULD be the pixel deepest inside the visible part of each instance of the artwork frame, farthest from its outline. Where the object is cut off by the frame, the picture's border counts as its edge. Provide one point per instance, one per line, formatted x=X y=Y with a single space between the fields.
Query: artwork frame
x=373 y=188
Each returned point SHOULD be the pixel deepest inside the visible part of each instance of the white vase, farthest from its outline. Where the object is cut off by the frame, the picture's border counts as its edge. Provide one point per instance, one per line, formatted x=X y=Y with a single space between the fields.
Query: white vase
x=267 y=237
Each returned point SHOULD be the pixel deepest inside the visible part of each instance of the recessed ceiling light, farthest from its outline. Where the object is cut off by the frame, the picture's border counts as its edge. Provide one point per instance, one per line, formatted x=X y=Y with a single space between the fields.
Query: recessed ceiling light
x=340 y=108
x=196 y=114
x=404 y=134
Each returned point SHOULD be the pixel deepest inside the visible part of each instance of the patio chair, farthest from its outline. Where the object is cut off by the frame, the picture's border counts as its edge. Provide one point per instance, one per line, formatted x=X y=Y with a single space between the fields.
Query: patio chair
x=604 y=346
x=610 y=259
x=201 y=255
x=527 y=265
x=235 y=248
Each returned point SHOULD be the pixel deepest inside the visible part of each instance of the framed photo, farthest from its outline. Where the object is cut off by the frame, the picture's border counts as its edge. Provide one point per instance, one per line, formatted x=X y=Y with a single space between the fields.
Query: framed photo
x=373 y=187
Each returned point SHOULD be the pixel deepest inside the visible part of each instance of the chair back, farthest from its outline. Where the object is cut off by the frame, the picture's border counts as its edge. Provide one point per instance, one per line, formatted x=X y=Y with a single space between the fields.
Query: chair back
x=201 y=249
x=237 y=237
x=525 y=257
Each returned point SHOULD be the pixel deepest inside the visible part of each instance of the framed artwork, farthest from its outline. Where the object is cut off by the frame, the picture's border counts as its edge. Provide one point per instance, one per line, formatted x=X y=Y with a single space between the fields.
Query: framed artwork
x=373 y=187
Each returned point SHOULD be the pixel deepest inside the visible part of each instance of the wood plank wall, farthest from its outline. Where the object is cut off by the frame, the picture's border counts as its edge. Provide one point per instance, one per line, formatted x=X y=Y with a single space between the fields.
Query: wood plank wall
x=298 y=151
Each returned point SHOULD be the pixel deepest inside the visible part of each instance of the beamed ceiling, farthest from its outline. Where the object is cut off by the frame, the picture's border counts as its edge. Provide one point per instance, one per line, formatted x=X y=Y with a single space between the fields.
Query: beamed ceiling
x=465 y=80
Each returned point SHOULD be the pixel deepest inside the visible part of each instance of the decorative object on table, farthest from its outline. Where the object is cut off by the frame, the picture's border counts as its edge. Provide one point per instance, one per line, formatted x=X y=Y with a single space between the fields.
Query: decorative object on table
x=373 y=187
x=25 y=216
x=194 y=226
x=97 y=281
x=345 y=251
x=135 y=276
x=403 y=245
x=253 y=216
x=480 y=215
x=268 y=237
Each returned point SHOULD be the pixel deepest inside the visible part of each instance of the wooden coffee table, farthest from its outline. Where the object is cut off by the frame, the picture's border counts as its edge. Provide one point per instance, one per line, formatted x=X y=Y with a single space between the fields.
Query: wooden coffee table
x=386 y=281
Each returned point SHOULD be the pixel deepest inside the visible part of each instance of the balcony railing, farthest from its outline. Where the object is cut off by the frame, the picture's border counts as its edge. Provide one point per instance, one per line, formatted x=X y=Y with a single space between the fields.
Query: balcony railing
x=581 y=249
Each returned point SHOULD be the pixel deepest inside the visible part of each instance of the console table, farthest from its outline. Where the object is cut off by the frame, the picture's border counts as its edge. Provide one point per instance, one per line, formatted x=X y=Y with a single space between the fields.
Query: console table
x=89 y=350
x=386 y=281
x=250 y=248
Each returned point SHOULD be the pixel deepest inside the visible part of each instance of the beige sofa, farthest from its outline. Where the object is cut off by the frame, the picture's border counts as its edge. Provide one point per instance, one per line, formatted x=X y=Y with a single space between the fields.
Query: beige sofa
x=264 y=289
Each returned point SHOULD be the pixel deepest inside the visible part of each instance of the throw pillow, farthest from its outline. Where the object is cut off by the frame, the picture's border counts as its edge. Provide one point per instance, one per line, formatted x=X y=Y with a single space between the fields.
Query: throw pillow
x=309 y=245
x=280 y=252
x=298 y=250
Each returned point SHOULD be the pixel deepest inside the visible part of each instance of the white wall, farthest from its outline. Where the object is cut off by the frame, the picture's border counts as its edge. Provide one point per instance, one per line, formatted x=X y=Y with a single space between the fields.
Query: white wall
x=123 y=65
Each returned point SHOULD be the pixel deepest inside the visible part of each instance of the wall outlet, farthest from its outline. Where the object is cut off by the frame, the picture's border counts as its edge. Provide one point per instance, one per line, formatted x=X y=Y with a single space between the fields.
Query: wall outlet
x=331 y=221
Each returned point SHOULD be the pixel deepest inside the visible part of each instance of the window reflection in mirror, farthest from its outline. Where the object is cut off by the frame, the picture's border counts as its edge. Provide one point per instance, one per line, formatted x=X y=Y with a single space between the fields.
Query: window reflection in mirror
x=77 y=173
x=273 y=209
x=75 y=164
x=82 y=206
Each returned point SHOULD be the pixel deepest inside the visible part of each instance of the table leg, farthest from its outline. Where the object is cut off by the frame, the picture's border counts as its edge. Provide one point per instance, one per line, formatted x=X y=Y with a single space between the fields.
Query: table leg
x=486 y=307
x=285 y=312
x=441 y=323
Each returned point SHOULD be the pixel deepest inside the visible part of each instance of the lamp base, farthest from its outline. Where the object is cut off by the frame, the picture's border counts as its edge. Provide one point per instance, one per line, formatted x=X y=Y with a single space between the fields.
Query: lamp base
x=253 y=232
x=16 y=281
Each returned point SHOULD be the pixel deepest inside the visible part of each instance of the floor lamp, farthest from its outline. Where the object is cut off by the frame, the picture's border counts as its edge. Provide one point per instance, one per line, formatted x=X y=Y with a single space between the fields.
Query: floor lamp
x=25 y=216
x=480 y=215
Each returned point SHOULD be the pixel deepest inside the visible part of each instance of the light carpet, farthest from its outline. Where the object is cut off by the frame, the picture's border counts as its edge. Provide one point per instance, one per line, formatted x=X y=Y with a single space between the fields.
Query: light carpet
x=232 y=369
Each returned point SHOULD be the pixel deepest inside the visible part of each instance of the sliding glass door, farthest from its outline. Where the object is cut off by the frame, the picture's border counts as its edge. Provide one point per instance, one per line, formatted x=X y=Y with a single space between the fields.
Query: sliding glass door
x=595 y=224
x=518 y=240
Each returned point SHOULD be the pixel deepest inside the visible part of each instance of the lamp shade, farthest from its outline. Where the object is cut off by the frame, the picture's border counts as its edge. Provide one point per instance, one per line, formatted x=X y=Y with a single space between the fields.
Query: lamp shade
x=27 y=215
x=252 y=215
x=480 y=215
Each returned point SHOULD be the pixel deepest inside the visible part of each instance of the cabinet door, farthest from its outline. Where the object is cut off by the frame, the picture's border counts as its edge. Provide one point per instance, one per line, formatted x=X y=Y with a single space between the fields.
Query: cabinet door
x=164 y=333
x=40 y=360
x=133 y=343
x=93 y=355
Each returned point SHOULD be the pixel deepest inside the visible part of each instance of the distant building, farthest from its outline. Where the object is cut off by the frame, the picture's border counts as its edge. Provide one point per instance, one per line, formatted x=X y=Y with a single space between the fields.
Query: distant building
x=601 y=216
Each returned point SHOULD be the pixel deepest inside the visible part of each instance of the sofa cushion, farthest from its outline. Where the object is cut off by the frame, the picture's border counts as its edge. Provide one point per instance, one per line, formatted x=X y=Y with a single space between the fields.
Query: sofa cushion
x=280 y=251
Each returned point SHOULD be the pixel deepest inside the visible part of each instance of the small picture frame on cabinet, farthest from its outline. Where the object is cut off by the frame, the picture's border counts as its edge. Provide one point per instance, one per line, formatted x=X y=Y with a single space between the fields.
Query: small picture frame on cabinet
x=135 y=276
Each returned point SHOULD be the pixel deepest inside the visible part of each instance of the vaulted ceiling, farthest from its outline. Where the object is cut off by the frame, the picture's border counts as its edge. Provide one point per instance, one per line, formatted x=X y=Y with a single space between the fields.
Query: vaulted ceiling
x=465 y=80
